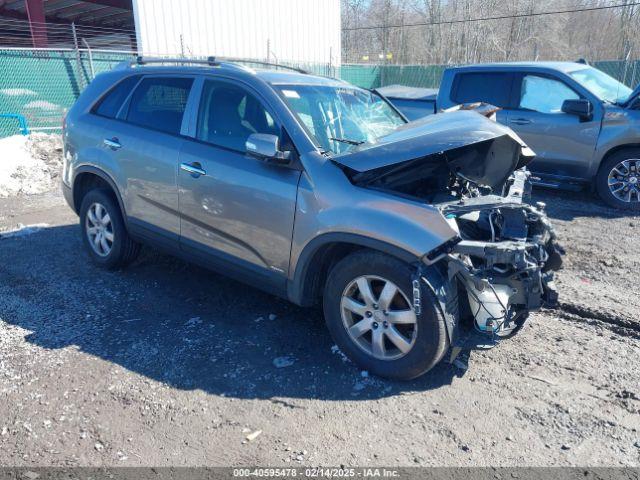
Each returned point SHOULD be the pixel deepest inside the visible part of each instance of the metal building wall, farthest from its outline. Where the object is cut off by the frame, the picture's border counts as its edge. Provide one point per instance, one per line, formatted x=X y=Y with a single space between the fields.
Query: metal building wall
x=293 y=30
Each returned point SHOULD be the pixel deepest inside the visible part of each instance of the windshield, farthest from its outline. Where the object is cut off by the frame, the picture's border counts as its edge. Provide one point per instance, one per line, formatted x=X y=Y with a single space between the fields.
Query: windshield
x=602 y=85
x=340 y=117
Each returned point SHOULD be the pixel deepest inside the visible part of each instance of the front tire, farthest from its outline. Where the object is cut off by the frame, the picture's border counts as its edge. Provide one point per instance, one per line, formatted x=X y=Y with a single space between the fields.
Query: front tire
x=369 y=312
x=103 y=231
x=618 y=180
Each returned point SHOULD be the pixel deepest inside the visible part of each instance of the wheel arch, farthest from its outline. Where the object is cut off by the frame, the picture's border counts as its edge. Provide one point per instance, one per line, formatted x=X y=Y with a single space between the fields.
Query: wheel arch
x=321 y=253
x=86 y=178
x=613 y=151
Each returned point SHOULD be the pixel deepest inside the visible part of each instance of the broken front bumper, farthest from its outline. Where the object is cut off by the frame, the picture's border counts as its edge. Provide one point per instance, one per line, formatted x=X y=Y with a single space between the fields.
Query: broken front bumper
x=500 y=267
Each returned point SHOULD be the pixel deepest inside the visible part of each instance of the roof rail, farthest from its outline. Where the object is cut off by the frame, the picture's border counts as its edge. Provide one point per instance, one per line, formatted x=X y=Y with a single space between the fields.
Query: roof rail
x=259 y=62
x=212 y=62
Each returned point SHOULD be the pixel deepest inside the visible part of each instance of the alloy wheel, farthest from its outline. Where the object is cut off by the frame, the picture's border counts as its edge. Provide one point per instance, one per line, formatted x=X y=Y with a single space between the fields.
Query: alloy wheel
x=99 y=229
x=624 y=181
x=379 y=317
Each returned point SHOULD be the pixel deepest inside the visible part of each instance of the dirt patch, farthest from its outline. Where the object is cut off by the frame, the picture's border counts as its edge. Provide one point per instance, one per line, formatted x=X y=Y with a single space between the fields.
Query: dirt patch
x=169 y=364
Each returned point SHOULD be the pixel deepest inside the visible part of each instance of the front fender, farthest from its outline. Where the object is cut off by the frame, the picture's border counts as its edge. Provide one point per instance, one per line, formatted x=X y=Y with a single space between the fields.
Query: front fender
x=344 y=209
x=345 y=214
x=620 y=129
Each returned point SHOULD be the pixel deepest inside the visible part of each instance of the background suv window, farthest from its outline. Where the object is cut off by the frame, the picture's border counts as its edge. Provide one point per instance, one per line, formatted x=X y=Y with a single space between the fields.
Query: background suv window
x=544 y=95
x=159 y=103
x=229 y=114
x=492 y=88
x=111 y=102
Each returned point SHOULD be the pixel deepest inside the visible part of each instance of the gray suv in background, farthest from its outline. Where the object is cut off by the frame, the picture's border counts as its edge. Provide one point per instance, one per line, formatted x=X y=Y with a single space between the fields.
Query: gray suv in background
x=416 y=238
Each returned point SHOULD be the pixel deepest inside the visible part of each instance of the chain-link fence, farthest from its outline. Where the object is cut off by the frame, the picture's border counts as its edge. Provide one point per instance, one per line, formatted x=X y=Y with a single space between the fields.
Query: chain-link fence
x=38 y=86
x=428 y=76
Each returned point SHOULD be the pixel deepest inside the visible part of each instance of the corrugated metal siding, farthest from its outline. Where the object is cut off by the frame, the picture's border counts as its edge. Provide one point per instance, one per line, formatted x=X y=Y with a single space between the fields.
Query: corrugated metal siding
x=297 y=30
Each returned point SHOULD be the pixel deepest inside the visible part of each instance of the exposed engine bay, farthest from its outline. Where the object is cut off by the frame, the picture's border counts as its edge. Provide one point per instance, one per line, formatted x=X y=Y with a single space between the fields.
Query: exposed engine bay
x=505 y=257
x=500 y=265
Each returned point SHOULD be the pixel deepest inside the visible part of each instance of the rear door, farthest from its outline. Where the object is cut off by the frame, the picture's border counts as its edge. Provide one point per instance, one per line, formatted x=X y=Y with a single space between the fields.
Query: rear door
x=237 y=211
x=493 y=88
x=564 y=144
x=145 y=142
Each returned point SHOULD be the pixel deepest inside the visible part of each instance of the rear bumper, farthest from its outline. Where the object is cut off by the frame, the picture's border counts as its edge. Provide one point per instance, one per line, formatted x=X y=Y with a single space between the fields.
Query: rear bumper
x=68 y=195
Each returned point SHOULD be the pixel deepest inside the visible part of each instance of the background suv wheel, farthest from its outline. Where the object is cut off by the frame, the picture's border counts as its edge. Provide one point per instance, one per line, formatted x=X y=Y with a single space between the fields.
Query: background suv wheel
x=103 y=231
x=618 y=180
x=369 y=312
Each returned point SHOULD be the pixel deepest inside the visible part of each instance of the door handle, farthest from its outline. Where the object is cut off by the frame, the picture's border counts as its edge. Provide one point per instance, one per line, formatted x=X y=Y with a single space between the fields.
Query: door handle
x=521 y=121
x=195 y=169
x=112 y=143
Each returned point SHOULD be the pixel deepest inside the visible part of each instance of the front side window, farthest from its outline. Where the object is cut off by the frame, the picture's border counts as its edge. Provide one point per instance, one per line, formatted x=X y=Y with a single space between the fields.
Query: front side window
x=229 y=114
x=159 y=103
x=603 y=86
x=487 y=87
x=110 y=104
x=338 y=118
x=544 y=95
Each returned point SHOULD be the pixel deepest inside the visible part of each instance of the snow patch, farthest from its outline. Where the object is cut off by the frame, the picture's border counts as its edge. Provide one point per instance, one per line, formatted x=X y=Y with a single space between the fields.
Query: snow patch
x=283 y=362
x=23 y=230
x=29 y=164
x=16 y=92
x=336 y=351
x=42 y=105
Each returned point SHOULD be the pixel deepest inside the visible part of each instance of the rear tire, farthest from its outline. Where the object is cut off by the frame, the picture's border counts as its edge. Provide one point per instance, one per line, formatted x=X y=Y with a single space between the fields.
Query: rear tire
x=617 y=172
x=419 y=347
x=103 y=231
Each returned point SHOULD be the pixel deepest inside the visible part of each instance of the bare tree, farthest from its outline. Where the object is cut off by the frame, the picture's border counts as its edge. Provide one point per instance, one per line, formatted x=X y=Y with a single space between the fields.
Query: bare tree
x=452 y=31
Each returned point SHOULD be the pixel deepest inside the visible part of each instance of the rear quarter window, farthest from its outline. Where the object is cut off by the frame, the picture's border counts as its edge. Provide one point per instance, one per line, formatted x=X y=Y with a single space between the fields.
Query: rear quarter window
x=159 y=103
x=110 y=103
x=493 y=88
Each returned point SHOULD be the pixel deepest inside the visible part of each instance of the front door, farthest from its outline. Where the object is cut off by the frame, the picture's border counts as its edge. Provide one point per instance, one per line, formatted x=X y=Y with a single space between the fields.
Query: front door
x=235 y=209
x=564 y=144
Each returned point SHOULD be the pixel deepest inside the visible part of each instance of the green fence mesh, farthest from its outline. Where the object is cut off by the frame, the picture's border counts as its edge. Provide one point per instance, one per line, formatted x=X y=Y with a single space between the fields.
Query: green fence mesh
x=40 y=85
x=428 y=76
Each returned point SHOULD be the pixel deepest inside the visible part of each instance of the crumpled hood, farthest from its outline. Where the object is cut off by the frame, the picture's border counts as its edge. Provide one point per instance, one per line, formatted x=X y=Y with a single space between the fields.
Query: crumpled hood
x=500 y=151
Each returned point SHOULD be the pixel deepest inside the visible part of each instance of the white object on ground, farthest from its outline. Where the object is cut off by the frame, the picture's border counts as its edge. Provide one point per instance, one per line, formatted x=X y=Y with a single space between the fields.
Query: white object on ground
x=282 y=362
x=23 y=230
x=336 y=351
x=192 y=322
x=253 y=435
x=29 y=164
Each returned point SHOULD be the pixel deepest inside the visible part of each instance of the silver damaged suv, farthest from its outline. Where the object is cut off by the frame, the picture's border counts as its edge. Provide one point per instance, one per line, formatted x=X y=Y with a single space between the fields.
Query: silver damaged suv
x=415 y=238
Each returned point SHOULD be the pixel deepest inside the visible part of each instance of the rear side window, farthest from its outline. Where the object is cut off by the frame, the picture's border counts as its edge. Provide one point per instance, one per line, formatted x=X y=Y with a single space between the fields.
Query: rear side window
x=159 y=103
x=109 y=105
x=493 y=88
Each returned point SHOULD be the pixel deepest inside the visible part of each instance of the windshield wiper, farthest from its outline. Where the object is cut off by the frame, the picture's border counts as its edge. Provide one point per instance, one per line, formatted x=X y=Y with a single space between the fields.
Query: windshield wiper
x=347 y=140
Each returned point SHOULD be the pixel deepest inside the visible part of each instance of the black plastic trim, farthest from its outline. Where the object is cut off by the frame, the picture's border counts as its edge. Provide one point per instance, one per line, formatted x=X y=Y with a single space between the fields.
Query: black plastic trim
x=299 y=291
x=104 y=176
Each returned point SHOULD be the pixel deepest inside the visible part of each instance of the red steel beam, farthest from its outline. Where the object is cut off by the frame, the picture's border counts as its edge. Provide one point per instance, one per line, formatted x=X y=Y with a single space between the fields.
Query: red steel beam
x=37 y=22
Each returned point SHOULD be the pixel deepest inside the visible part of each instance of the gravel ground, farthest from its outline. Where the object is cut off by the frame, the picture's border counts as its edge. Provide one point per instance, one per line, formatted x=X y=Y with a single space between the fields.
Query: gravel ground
x=168 y=364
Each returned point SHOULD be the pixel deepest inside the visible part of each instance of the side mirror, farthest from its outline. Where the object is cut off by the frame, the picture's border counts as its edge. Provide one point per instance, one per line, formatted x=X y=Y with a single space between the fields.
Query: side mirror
x=264 y=146
x=581 y=108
